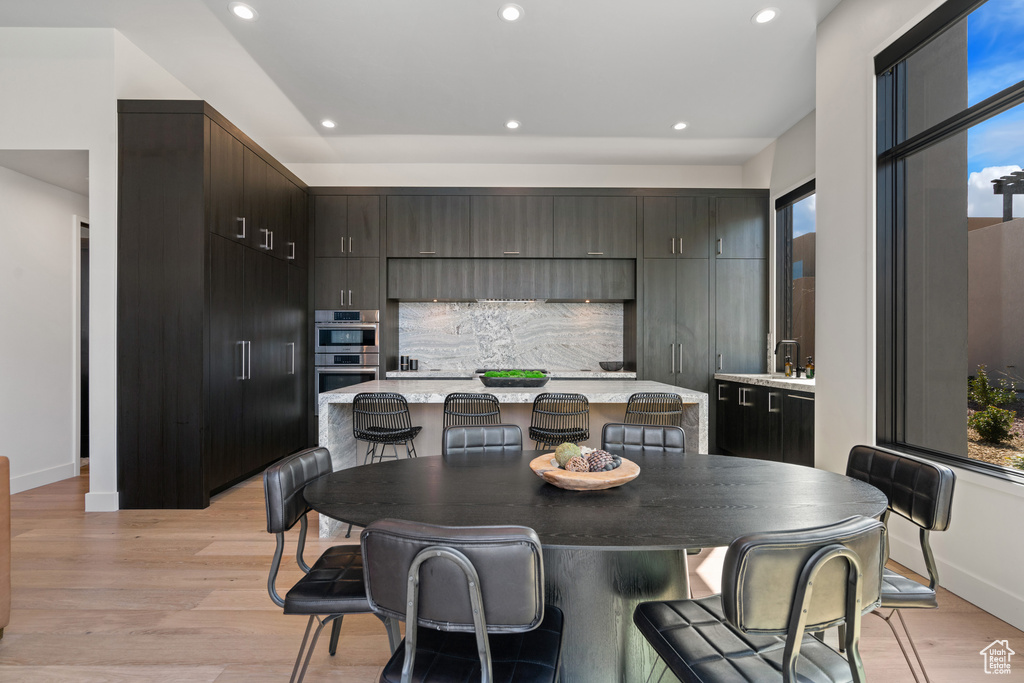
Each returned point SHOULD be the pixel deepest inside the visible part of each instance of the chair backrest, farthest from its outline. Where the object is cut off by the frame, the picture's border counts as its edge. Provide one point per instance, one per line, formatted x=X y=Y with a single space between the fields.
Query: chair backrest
x=506 y=559
x=654 y=408
x=919 y=490
x=791 y=582
x=628 y=439
x=561 y=411
x=483 y=440
x=471 y=409
x=284 y=481
x=382 y=411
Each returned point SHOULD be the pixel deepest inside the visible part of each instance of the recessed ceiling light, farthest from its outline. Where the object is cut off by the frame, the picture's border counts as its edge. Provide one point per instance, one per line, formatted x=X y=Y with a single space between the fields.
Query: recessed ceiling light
x=511 y=12
x=243 y=11
x=679 y=126
x=327 y=123
x=512 y=124
x=765 y=15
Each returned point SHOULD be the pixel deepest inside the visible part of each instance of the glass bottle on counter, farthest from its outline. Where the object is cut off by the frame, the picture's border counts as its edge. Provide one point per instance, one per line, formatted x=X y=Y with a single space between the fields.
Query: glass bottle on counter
x=810 y=367
x=789 y=366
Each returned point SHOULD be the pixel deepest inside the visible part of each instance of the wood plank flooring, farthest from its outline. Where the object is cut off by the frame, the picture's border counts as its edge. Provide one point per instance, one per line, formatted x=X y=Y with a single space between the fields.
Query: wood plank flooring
x=180 y=596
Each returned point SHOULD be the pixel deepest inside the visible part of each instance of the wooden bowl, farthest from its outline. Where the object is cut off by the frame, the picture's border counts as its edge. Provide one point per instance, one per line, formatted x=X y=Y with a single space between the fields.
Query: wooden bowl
x=546 y=467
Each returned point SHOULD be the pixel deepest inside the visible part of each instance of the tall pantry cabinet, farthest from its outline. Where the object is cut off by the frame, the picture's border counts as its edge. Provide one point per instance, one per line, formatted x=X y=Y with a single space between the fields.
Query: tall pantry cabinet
x=212 y=306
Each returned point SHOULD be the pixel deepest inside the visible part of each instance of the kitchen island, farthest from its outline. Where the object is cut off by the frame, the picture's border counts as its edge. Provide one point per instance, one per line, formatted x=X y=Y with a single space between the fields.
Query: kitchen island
x=426 y=404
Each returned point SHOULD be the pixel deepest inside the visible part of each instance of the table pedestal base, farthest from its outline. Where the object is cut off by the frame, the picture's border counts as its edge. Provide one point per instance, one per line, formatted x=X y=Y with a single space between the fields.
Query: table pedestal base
x=597 y=591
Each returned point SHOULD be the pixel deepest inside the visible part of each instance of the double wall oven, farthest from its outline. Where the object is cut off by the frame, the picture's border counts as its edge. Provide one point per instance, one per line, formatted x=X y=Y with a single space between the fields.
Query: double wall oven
x=347 y=348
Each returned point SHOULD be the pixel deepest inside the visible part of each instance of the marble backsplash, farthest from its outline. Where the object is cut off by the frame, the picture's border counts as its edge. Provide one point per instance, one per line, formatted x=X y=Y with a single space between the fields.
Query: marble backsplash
x=469 y=335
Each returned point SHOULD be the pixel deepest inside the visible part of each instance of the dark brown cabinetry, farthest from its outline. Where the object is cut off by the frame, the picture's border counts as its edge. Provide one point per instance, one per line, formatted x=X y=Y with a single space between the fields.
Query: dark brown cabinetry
x=347 y=226
x=211 y=318
x=595 y=227
x=346 y=283
x=676 y=227
x=741 y=229
x=511 y=226
x=676 y=304
x=766 y=423
x=428 y=226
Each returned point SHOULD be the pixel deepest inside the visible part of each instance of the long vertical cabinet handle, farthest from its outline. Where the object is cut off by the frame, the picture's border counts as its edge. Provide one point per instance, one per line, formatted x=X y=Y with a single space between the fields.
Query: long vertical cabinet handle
x=342 y=297
x=772 y=395
x=240 y=220
x=248 y=364
x=721 y=361
x=720 y=246
x=271 y=247
x=720 y=397
x=673 y=241
x=292 y=346
x=350 y=245
x=342 y=244
x=266 y=238
x=291 y=252
x=350 y=297
x=672 y=354
x=680 y=357
x=241 y=376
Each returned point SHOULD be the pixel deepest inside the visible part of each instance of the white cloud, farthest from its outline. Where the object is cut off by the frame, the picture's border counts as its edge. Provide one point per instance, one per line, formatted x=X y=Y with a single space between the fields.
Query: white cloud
x=981 y=201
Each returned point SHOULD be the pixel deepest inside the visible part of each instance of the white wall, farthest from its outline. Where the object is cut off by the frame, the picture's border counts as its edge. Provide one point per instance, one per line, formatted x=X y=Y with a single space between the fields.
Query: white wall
x=38 y=349
x=60 y=90
x=793 y=161
x=981 y=555
x=516 y=175
x=757 y=172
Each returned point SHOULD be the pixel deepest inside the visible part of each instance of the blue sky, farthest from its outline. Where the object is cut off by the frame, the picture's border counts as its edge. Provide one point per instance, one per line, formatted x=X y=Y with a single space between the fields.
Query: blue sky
x=995 y=61
x=803 y=215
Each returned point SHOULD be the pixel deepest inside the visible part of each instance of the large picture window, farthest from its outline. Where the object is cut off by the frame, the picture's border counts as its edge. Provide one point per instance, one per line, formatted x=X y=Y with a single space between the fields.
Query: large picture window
x=951 y=237
x=796 y=232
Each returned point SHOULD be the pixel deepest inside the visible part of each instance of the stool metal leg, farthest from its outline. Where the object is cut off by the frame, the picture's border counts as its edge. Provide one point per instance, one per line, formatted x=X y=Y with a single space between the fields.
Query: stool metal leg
x=899 y=641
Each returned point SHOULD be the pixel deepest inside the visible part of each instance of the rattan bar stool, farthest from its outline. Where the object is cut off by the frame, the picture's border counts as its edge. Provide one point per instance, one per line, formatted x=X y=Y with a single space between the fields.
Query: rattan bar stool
x=382 y=419
x=559 y=418
x=654 y=408
x=471 y=409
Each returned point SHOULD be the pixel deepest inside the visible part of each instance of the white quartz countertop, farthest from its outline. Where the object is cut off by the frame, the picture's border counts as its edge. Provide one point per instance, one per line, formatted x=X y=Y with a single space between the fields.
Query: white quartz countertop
x=767 y=380
x=468 y=374
x=434 y=391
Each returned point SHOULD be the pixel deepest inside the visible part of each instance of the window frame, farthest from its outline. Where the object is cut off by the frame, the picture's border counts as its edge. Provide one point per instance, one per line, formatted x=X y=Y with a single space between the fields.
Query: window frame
x=784 y=259
x=893 y=147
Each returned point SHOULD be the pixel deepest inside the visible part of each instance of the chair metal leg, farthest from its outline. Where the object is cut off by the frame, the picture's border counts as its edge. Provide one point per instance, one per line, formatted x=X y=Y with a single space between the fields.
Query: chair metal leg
x=394 y=632
x=348 y=534
x=335 y=633
x=899 y=641
x=312 y=645
x=842 y=637
x=302 y=648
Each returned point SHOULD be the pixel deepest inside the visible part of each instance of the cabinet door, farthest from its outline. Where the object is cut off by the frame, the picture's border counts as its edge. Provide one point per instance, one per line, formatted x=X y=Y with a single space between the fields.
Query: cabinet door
x=331 y=218
x=514 y=227
x=278 y=208
x=227 y=362
x=363 y=226
x=297 y=244
x=798 y=429
x=227 y=207
x=692 y=227
x=741 y=315
x=660 y=227
x=692 y=320
x=661 y=356
x=431 y=226
x=741 y=227
x=330 y=283
x=729 y=419
x=363 y=286
x=589 y=227
x=295 y=329
x=761 y=436
x=254 y=198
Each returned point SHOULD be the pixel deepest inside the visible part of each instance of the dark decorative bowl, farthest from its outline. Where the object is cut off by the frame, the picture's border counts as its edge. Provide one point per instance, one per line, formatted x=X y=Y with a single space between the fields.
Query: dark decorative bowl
x=611 y=365
x=514 y=381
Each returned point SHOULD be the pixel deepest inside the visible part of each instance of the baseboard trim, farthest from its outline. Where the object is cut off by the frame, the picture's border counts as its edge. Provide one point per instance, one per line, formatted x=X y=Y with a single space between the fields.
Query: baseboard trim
x=33 y=480
x=102 y=501
x=964 y=583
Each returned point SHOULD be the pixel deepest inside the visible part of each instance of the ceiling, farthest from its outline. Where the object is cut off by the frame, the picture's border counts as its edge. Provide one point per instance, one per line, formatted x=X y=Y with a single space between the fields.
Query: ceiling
x=410 y=81
x=68 y=169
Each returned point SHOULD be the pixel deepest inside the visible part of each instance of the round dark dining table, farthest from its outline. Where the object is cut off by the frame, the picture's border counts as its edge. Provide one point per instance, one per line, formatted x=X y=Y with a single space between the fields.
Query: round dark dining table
x=604 y=551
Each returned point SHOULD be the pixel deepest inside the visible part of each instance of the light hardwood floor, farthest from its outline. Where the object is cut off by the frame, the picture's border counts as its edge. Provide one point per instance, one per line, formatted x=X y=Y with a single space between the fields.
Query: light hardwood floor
x=180 y=596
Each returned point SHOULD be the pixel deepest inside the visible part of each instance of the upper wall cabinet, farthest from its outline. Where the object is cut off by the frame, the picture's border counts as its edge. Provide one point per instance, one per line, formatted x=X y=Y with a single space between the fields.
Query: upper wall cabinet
x=428 y=226
x=227 y=205
x=675 y=227
x=347 y=226
x=511 y=226
x=595 y=227
x=741 y=227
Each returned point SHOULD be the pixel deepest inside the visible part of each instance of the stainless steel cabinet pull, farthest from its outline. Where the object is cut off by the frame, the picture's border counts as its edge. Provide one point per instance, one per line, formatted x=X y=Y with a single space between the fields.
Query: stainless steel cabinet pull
x=595 y=253
x=291 y=247
x=350 y=297
x=266 y=238
x=680 y=358
x=721 y=361
x=772 y=395
x=292 y=371
x=242 y=369
x=349 y=245
x=720 y=397
x=342 y=296
x=513 y=253
x=241 y=219
x=248 y=363
x=802 y=398
x=271 y=247
x=743 y=398
x=673 y=241
x=719 y=241
x=672 y=354
x=428 y=252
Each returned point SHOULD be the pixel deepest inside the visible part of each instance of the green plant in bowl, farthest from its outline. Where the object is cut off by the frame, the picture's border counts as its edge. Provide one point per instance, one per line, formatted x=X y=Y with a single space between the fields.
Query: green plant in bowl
x=525 y=374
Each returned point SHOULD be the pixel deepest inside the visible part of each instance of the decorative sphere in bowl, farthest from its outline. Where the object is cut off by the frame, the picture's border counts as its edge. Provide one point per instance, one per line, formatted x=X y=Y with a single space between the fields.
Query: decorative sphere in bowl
x=611 y=365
